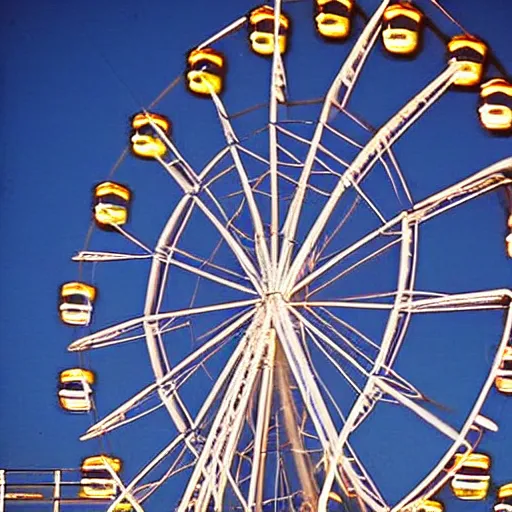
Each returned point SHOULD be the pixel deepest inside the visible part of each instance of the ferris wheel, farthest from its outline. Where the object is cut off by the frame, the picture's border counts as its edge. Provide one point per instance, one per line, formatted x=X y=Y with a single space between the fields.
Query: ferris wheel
x=288 y=281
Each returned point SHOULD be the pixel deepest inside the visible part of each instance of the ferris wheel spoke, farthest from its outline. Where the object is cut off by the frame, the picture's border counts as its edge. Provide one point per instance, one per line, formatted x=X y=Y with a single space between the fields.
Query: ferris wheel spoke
x=480 y=183
x=332 y=345
x=191 y=435
x=167 y=247
x=229 y=29
x=295 y=162
x=390 y=295
x=384 y=230
x=95 y=256
x=370 y=257
x=300 y=368
x=206 y=184
x=358 y=481
x=390 y=163
x=178 y=168
x=232 y=366
x=193 y=439
x=342 y=304
x=256 y=485
x=222 y=383
x=387 y=373
x=365 y=160
x=496 y=175
x=218 y=481
x=371 y=393
x=369 y=202
x=109 y=334
x=230 y=222
x=209 y=264
x=387 y=159
x=386 y=388
x=346 y=77
x=341 y=472
x=259 y=233
x=190 y=439
x=131 y=488
x=366 y=340
x=212 y=277
x=313 y=336
x=379 y=385
x=121 y=415
x=234 y=245
x=342 y=136
x=345 y=340
x=312 y=188
x=165 y=329
x=334 y=156
x=119 y=484
x=100 y=256
x=210 y=472
x=481 y=300
x=277 y=94
x=358 y=189
x=295 y=136
x=375 y=388
x=133 y=239
x=204 y=178
x=257 y=157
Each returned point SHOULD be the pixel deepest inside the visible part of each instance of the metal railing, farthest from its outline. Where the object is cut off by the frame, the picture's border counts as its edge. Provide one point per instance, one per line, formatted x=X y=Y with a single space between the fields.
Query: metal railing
x=49 y=489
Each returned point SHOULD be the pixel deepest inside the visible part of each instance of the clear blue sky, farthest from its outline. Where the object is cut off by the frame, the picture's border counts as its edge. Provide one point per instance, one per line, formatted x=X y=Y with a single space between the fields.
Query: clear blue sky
x=71 y=76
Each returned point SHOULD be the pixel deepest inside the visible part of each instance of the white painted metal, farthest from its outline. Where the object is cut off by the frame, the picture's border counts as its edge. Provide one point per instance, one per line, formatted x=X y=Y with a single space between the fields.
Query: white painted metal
x=270 y=370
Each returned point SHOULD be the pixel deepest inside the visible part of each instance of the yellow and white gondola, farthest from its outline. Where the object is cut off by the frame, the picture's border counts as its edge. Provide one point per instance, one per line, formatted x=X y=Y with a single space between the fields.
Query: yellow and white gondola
x=471 y=53
x=402 y=25
x=472 y=480
x=495 y=109
x=76 y=303
x=503 y=380
x=111 y=204
x=261 y=31
x=333 y=18
x=504 y=502
x=75 y=390
x=96 y=481
x=145 y=140
x=206 y=70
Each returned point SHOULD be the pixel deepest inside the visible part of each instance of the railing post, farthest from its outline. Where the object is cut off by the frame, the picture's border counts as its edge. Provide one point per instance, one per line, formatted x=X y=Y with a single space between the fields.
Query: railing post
x=2 y=489
x=56 y=491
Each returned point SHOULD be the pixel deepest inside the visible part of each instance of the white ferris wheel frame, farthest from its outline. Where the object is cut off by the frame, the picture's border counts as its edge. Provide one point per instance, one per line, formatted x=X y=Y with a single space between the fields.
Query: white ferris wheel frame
x=271 y=312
